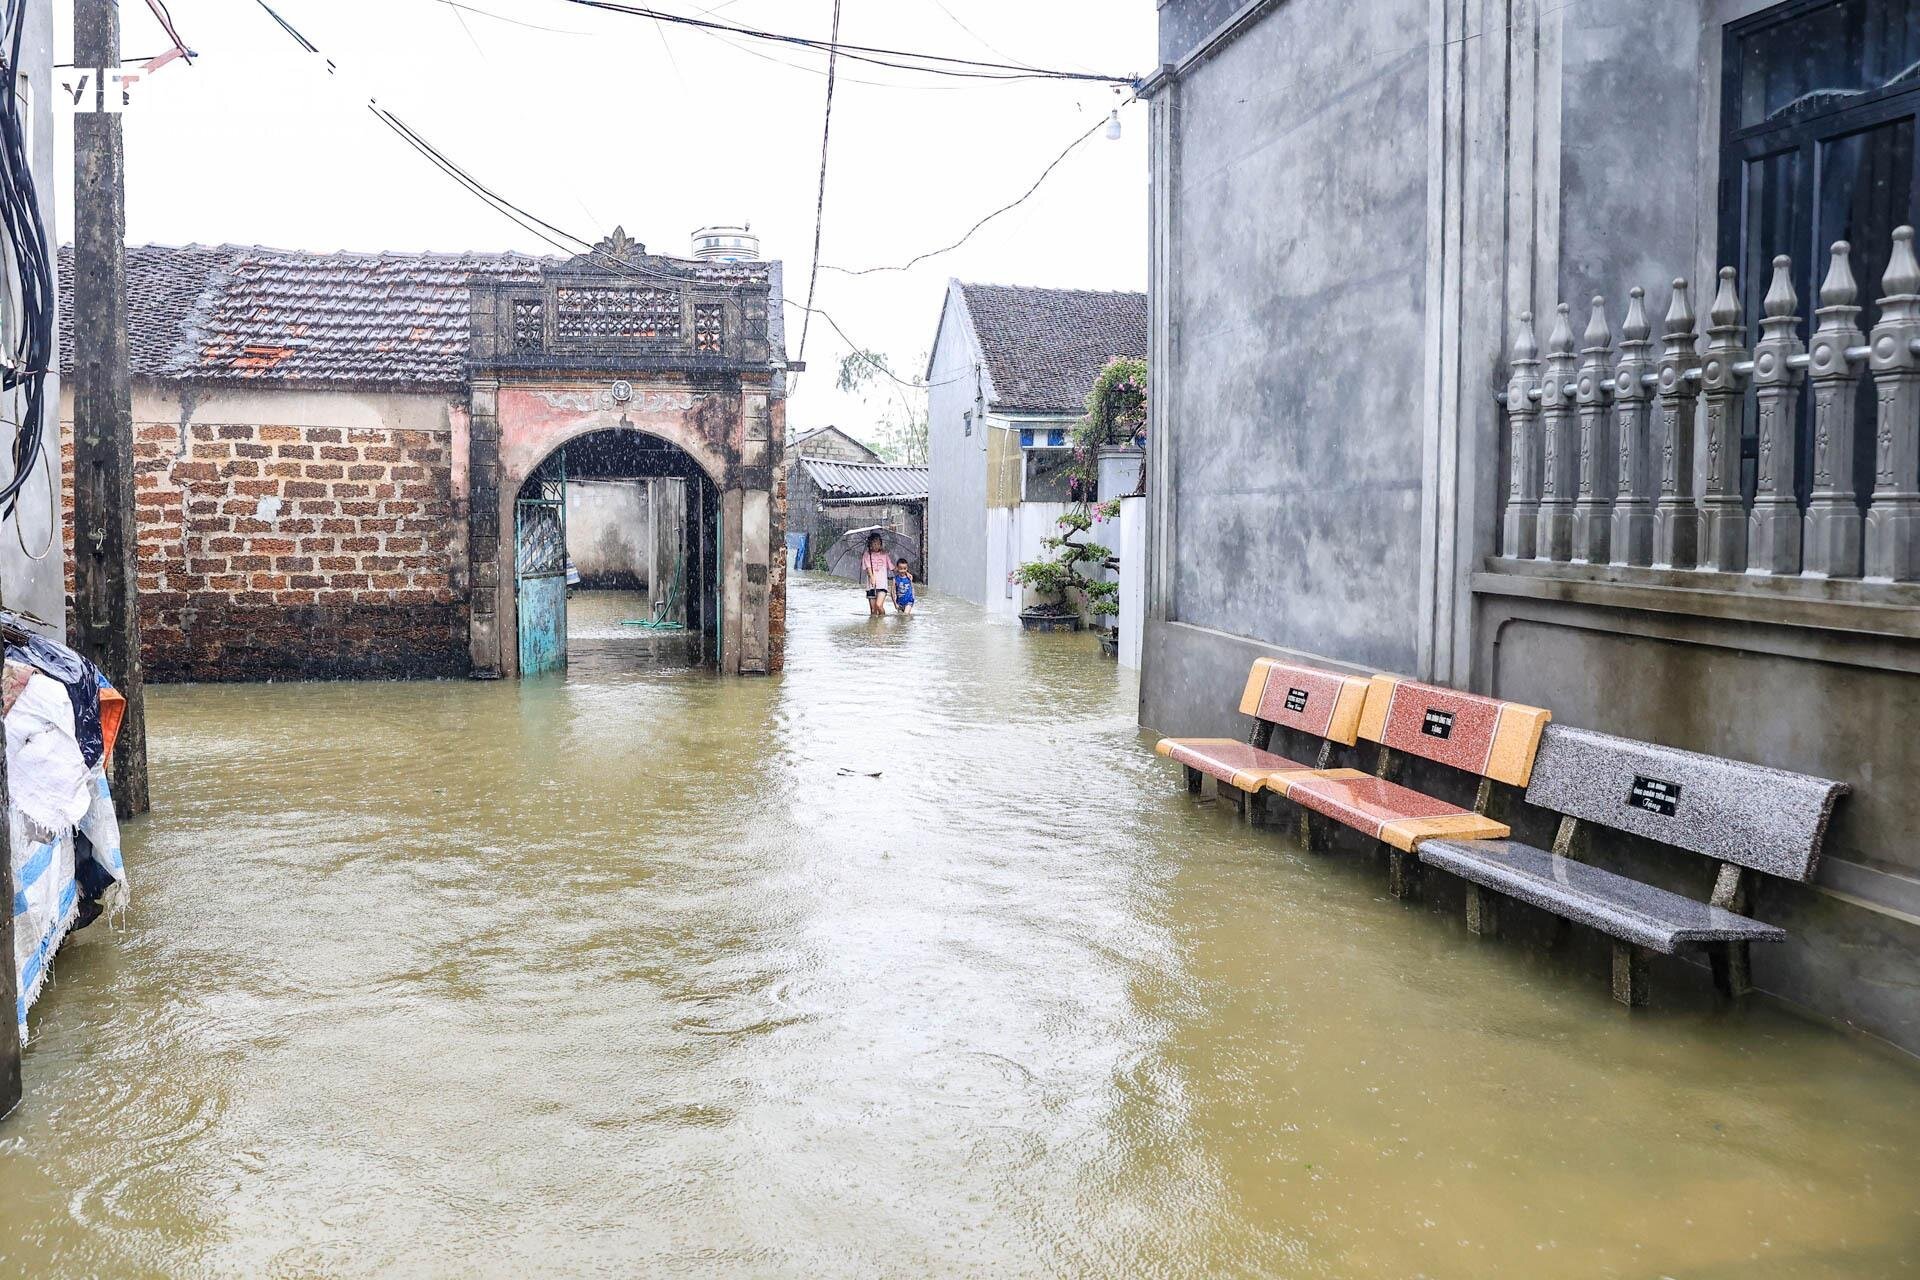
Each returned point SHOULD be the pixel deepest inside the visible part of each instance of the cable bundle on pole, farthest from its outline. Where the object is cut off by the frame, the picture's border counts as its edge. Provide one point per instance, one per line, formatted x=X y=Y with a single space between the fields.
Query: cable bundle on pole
x=29 y=346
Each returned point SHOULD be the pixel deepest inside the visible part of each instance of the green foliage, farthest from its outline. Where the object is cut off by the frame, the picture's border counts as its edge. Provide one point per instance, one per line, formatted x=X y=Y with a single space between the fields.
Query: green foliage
x=1065 y=574
x=901 y=425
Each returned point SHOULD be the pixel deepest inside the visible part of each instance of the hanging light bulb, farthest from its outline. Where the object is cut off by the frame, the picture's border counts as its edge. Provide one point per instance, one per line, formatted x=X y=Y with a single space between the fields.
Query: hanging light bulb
x=1113 y=126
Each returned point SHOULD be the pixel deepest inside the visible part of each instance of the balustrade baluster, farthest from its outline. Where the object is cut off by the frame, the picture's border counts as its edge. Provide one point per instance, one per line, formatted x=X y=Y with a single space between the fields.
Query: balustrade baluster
x=1632 y=403
x=1723 y=531
x=1519 y=529
x=1832 y=542
x=1893 y=521
x=1593 y=513
x=1559 y=467
x=1773 y=529
x=1676 y=519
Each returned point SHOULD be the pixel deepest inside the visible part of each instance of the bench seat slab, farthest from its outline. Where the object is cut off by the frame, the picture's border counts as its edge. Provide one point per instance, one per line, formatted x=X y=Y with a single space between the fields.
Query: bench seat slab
x=1246 y=767
x=1614 y=904
x=1399 y=816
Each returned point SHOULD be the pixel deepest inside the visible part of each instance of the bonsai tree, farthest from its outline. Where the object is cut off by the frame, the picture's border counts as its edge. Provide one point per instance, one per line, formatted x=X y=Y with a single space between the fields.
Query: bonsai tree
x=1064 y=574
x=1116 y=414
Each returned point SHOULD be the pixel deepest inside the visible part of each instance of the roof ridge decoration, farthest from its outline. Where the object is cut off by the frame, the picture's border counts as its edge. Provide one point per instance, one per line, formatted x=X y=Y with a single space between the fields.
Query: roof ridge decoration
x=613 y=249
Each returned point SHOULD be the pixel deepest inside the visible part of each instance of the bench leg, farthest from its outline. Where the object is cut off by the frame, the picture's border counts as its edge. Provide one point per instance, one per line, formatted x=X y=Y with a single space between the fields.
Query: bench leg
x=1312 y=838
x=1209 y=787
x=1629 y=974
x=1483 y=912
x=1732 y=971
x=1256 y=808
x=1403 y=873
x=1193 y=780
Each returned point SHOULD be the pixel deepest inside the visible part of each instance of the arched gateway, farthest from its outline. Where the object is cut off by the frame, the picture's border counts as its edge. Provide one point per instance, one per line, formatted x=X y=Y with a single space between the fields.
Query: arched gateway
x=617 y=340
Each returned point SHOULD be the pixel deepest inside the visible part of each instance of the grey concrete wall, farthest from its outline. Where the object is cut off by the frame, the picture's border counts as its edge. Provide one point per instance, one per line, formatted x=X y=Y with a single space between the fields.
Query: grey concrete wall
x=1185 y=23
x=39 y=585
x=1626 y=100
x=1293 y=404
x=607 y=532
x=956 y=531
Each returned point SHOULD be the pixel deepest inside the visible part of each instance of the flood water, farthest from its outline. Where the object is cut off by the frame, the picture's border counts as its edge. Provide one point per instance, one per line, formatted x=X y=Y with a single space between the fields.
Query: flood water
x=637 y=972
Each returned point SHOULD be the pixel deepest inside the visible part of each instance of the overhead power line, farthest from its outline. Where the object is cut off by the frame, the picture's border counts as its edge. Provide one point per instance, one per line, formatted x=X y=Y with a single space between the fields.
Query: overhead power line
x=565 y=241
x=820 y=197
x=1009 y=207
x=899 y=59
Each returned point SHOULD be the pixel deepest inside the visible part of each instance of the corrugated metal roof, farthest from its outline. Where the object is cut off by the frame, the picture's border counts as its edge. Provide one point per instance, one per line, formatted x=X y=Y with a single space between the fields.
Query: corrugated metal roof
x=878 y=481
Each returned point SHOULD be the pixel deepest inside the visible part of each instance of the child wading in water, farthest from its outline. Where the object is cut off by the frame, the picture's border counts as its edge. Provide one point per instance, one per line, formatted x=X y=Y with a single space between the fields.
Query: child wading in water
x=876 y=572
x=903 y=588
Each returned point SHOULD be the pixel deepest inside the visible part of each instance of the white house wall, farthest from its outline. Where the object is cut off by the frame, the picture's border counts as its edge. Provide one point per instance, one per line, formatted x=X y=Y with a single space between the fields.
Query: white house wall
x=957 y=552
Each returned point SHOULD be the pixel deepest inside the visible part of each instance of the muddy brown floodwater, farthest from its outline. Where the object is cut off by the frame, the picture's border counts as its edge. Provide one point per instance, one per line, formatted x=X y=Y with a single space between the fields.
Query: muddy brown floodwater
x=620 y=974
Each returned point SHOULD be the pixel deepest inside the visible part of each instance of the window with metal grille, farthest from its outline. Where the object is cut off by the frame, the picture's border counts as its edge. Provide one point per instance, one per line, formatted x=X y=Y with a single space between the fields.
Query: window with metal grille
x=1818 y=110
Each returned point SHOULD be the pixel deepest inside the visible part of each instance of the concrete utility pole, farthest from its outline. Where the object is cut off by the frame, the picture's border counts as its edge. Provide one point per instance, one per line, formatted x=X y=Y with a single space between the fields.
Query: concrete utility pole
x=106 y=613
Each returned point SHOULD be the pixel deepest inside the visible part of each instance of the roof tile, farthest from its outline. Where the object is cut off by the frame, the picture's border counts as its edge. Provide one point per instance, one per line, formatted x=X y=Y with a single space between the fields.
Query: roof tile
x=1045 y=347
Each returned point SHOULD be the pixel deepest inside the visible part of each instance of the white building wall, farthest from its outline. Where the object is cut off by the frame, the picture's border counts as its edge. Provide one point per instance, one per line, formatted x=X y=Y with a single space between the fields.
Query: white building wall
x=38 y=585
x=957 y=552
x=1131 y=548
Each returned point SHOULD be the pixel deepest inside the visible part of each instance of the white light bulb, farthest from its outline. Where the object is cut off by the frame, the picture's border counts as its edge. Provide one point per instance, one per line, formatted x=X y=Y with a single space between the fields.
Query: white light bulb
x=1113 y=127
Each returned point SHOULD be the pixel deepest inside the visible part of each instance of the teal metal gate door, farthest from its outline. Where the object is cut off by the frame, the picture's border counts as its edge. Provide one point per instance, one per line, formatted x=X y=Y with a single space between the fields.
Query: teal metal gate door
x=540 y=571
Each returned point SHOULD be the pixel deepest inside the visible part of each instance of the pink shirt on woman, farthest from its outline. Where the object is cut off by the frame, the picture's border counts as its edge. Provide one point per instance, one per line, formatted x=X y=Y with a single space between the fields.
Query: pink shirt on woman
x=876 y=567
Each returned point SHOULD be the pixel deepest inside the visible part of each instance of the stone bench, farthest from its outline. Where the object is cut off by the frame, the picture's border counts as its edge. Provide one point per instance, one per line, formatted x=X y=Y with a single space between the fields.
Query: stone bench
x=1746 y=817
x=1492 y=740
x=1278 y=694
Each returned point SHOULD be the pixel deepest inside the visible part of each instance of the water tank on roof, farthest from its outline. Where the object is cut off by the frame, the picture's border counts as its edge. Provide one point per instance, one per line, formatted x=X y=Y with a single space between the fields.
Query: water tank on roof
x=726 y=244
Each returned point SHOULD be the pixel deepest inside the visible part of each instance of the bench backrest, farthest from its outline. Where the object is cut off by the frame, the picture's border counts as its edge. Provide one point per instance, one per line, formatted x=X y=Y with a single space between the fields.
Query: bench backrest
x=1747 y=814
x=1324 y=703
x=1483 y=736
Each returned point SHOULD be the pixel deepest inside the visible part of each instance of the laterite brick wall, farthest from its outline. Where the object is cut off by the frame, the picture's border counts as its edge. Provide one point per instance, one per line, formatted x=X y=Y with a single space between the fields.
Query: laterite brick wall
x=299 y=535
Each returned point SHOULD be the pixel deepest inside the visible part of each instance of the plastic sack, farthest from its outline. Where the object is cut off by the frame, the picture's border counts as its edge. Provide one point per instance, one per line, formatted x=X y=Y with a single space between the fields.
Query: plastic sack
x=47 y=778
x=46 y=902
x=82 y=681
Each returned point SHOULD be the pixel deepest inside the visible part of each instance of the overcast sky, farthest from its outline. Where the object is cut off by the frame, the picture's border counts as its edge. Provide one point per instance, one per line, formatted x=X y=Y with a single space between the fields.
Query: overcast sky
x=607 y=119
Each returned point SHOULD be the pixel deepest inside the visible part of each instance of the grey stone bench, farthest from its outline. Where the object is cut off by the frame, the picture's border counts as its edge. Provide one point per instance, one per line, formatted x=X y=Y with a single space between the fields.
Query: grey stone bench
x=1746 y=817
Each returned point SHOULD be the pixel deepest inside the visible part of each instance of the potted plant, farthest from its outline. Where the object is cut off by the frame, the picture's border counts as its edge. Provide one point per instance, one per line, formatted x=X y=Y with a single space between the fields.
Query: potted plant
x=1063 y=577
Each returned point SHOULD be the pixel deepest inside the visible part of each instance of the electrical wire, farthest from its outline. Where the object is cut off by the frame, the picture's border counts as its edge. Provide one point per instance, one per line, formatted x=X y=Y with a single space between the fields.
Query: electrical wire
x=1009 y=207
x=879 y=366
x=928 y=63
x=978 y=38
x=165 y=18
x=513 y=22
x=53 y=509
x=30 y=346
x=820 y=196
x=565 y=241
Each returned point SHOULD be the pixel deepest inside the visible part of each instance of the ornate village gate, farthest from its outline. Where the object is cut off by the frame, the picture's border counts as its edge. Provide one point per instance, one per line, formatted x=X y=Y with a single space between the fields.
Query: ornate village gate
x=621 y=340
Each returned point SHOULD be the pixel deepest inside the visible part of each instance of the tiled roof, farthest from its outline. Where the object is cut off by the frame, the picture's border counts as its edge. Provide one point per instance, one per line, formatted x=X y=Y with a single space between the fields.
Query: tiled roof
x=873 y=480
x=246 y=313
x=1045 y=347
x=163 y=284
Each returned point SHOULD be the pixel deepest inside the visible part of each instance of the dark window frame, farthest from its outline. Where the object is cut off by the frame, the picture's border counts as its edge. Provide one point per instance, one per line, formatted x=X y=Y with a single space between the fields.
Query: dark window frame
x=1805 y=133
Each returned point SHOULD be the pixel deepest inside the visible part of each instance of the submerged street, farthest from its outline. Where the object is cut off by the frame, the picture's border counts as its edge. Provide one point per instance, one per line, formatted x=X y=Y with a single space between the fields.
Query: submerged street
x=635 y=971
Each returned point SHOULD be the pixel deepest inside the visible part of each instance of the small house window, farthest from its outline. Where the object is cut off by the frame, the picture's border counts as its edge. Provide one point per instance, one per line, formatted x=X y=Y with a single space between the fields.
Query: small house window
x=1046 y=475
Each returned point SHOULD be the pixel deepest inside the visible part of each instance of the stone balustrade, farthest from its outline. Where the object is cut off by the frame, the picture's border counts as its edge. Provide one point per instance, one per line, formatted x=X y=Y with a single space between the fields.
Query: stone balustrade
x=1602 y=441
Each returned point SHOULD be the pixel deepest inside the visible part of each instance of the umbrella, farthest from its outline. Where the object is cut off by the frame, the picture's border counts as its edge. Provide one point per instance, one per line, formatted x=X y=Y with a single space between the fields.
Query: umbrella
x=843 y=558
